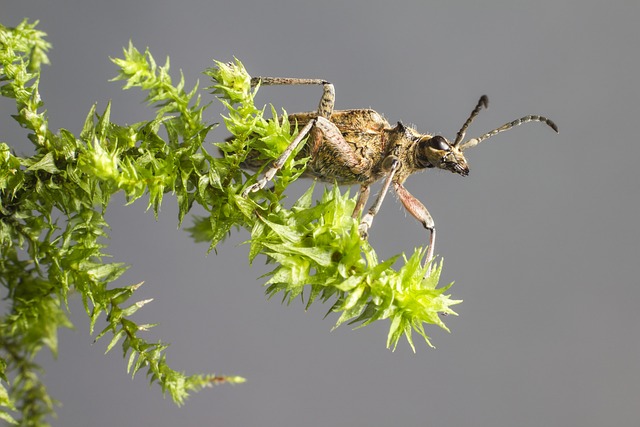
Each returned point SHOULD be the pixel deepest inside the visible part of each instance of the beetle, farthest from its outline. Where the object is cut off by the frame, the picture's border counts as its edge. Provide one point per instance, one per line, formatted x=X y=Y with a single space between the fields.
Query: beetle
x=359 y=146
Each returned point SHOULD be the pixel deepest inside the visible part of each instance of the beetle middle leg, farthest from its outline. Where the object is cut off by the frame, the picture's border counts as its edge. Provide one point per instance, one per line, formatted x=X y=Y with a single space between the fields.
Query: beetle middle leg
x=363 y=196
x=410 y=203
x=391 y=164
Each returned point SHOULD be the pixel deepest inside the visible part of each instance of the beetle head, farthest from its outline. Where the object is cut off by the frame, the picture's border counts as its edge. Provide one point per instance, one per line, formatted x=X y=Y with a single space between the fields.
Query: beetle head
x=436 y=151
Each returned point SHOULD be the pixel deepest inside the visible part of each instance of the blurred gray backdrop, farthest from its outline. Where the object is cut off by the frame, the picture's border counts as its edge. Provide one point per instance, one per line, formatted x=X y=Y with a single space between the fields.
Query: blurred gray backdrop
x=541 y=239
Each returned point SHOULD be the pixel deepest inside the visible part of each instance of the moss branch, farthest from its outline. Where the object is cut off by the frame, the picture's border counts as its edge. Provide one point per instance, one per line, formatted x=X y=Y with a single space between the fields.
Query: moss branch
x=52 y=226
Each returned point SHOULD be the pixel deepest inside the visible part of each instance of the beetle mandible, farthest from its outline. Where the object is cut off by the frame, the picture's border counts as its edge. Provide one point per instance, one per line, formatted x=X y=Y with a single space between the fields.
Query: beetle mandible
x=360 y=147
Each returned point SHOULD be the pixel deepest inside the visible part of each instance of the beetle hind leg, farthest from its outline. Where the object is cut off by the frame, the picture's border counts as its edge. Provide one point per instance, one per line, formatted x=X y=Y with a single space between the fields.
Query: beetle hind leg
x=327 y=101
x=325 y=109
x=277 y=165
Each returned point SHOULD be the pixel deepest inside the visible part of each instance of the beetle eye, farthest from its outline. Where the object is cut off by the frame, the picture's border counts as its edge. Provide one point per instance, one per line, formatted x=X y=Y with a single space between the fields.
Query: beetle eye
x=439 y=143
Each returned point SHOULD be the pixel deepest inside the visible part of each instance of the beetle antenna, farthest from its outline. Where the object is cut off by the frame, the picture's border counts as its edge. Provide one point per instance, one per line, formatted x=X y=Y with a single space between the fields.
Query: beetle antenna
x=532 y=118
x=483 y=102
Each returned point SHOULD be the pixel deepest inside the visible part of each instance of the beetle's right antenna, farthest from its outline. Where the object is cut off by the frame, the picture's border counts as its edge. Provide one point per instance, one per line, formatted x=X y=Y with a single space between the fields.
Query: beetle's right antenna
x=483 y=102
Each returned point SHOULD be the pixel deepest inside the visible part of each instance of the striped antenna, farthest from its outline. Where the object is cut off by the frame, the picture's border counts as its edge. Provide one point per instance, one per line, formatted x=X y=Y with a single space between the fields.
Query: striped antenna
x=483 y=102
x=531 y=118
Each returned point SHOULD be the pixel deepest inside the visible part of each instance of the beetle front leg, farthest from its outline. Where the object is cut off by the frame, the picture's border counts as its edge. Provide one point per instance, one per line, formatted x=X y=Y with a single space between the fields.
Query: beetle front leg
x=419 y=212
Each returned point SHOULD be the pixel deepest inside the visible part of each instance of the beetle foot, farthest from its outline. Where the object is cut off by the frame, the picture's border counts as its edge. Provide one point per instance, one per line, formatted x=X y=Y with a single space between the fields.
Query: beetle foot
x=364 y=226
x=253 y=188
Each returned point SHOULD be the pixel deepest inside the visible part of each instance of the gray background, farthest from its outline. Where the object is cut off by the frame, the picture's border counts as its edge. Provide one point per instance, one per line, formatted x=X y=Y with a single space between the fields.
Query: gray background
x=541 y=238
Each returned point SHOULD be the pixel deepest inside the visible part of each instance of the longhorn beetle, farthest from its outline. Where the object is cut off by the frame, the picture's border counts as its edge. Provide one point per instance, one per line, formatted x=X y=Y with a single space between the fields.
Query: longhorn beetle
x=360 y=147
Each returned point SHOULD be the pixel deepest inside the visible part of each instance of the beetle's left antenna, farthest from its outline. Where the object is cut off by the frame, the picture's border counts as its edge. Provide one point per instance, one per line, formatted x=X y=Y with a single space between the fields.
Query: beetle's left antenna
x=531 y=118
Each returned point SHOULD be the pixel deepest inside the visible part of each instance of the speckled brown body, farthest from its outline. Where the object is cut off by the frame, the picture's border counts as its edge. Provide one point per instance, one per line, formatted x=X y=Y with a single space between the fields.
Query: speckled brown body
x=371 y=139
x=361 y=147
x=367 y=133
